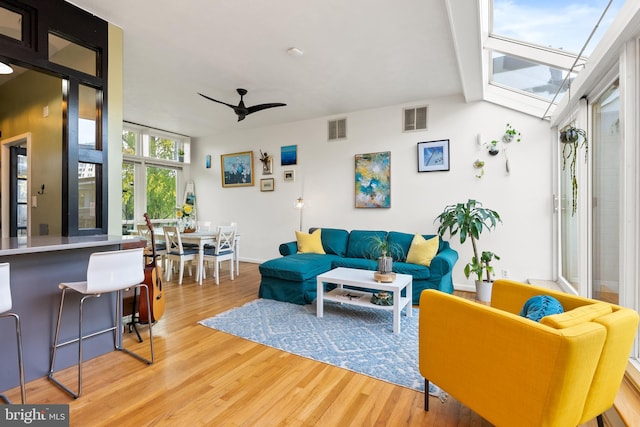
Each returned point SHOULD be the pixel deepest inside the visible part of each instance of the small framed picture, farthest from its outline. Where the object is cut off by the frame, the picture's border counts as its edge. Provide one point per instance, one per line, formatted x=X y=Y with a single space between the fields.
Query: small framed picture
x=433 y=156
x=289 y=175
x=207 y=161
x=267 y=184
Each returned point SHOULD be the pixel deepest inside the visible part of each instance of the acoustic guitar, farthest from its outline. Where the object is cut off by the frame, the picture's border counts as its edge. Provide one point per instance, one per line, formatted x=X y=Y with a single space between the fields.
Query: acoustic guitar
x=153 y=280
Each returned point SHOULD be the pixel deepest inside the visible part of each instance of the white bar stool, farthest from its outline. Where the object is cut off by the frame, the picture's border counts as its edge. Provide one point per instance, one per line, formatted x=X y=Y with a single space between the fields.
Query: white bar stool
x=5 y=305
x=113 y=271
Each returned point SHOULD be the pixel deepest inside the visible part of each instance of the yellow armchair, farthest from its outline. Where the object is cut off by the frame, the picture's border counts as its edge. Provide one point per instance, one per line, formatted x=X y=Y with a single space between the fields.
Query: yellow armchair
x=562 y=371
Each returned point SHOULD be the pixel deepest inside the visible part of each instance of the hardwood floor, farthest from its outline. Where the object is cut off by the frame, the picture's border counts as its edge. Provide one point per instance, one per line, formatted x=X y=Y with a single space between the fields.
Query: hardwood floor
x=203 y=377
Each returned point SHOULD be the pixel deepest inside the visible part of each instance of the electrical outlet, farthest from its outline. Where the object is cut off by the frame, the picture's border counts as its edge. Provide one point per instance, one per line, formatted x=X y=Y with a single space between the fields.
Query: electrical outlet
x=505 y=273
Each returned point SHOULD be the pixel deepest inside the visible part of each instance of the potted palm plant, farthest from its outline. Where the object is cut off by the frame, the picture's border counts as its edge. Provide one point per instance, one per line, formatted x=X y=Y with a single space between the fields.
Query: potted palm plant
x=469 y=220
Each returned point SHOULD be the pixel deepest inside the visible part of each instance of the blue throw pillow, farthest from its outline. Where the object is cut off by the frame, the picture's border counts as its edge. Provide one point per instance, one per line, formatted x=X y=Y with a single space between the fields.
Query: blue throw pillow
x=539 y=306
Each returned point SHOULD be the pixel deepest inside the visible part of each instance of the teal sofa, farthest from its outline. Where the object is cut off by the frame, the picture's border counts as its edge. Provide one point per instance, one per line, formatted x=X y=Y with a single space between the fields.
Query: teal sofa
x=292 y=277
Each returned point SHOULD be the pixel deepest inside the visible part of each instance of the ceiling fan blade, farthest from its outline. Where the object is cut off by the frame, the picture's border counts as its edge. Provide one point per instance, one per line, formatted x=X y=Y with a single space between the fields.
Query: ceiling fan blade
x=215 y=100
x=259 y=107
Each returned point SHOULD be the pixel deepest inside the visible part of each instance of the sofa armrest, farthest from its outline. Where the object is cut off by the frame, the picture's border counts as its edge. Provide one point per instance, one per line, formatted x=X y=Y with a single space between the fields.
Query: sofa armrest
x=443 y=262
x=510 y=370
x=289 y=248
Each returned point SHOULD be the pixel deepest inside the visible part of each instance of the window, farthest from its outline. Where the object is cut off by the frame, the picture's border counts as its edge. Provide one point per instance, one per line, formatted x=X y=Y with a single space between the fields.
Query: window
x=87 y=196
x=532 y=46
x=72 y=55
x=11 y=24
x=151 y=175
x=561 y=24
x=532 y=78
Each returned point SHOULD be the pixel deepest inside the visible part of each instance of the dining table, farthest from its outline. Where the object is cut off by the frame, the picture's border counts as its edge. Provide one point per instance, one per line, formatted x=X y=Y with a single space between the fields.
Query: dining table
x=202 y=238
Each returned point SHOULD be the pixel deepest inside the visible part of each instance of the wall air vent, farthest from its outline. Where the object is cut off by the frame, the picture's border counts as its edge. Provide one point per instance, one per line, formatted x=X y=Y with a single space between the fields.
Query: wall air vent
x=415 y=118
x=337 y=129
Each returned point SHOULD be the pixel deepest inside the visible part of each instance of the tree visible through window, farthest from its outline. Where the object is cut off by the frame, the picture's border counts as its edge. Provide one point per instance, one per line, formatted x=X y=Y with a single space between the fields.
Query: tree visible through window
x=161 y=192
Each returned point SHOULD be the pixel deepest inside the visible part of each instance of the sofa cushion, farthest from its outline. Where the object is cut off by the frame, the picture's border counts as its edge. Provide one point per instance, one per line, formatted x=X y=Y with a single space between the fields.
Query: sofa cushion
x=362 y=242
x=361 y=263
x=422 y=251
x=310 y=243
x=334 y=240
x=403 y=241
x=419 y=272
x=297 y=267
x=578 y=315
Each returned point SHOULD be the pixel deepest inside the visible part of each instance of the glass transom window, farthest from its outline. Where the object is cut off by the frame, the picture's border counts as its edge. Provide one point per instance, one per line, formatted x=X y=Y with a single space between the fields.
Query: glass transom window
x=526 y=76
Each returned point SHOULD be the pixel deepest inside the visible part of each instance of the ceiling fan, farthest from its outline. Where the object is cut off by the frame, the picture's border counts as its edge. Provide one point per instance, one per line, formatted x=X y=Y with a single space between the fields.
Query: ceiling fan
x=241 y=110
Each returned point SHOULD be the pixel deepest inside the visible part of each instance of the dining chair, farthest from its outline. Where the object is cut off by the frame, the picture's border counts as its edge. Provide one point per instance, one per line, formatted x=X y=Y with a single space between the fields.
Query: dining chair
x=161 y=247
x=222 y=250
x=111 y=271
x=5 y=305
x=177 y=252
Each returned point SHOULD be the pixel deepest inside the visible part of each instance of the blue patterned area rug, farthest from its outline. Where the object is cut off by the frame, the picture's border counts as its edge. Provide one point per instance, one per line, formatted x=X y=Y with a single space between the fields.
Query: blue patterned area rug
x=354 y=338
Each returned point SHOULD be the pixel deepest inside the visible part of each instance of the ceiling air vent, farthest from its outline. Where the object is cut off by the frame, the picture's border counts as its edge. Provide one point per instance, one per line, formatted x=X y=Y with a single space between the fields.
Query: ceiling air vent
x=415 y=118
x=337 y=129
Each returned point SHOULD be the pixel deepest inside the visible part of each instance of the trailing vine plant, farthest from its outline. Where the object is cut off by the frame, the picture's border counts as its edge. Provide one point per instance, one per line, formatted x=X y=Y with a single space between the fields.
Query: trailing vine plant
x=573 y=138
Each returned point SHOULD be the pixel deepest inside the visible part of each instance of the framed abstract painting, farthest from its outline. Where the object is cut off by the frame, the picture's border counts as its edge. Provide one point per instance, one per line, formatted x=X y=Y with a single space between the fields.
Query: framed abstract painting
x=237 y=169
x=373 y=180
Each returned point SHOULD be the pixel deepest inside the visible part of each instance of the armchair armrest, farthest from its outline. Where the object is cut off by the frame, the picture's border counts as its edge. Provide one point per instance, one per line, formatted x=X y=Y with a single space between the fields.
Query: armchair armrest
x=288 y=248
x=510 y=370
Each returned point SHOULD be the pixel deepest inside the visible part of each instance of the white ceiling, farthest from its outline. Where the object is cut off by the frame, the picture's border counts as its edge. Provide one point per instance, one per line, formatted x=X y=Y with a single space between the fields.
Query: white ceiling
x=358 y=54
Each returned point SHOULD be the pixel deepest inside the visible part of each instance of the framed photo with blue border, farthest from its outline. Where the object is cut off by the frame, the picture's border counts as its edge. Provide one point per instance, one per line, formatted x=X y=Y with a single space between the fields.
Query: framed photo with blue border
x=433 y=156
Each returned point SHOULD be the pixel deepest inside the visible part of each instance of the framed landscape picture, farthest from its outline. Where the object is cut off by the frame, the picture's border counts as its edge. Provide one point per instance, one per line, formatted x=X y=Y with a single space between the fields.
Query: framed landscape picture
x=433 y=156
x=373 y=180
x=237 y=169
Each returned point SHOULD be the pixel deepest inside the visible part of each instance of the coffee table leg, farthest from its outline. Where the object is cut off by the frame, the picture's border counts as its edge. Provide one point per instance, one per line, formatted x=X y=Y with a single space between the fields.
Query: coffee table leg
x=396 y=312
x=410 y=296
x=319 y=298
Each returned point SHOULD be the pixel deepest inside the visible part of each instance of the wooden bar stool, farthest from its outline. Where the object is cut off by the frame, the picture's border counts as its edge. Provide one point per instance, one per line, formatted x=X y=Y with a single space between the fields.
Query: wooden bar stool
x=113 y=271
x=5 y=305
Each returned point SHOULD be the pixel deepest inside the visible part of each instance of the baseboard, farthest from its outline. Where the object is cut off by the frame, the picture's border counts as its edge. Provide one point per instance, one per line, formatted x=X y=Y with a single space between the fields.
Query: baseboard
x=464 y=287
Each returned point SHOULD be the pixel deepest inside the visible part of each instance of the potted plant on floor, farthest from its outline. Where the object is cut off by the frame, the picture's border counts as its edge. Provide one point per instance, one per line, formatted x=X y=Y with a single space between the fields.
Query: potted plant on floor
x=483 y=287
x=470 y=219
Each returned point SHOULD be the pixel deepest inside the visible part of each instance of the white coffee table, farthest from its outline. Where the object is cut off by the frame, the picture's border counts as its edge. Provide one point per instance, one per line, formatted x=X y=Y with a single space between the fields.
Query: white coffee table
x=364 y=279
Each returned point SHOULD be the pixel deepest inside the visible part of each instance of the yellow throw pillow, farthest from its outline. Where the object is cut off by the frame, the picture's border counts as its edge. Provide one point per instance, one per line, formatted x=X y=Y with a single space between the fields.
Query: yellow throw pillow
x=422 y=250
x=578 y=315
x=309 y=243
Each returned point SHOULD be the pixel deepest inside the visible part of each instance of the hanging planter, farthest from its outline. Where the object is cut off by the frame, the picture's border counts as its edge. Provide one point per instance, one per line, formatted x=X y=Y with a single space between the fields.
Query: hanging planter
x=510 y=134
x=493 y=147
x=572 y=139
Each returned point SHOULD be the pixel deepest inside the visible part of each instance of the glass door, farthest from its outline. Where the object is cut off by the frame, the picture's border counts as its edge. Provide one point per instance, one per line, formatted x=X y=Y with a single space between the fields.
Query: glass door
x=606 y=213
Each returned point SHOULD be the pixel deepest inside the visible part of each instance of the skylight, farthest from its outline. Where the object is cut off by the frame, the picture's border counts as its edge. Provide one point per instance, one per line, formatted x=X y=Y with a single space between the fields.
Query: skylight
x=557 y=24
x=533 y=44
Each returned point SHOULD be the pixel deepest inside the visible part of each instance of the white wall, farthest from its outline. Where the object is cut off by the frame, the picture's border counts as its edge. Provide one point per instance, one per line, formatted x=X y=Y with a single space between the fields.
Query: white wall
x=325 y=177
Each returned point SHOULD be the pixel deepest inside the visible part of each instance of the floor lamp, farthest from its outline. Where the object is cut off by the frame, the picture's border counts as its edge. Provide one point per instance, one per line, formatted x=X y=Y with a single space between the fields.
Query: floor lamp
x=299 y=206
